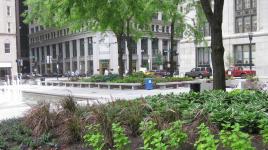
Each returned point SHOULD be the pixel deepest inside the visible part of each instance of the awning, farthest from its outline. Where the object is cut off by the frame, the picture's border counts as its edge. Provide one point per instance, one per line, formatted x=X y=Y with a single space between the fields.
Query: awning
x=5 y=65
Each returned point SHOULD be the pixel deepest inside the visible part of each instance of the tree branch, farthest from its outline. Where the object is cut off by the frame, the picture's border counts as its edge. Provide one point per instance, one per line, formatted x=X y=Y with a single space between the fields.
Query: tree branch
x=218 y=10
x=208 y=10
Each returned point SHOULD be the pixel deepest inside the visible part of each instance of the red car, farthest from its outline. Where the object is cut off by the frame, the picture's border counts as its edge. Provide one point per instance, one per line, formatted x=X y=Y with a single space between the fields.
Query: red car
x=237 y=71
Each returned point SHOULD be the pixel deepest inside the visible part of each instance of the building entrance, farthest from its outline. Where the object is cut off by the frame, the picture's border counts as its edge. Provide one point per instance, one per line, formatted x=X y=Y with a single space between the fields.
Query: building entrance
x=4 y=72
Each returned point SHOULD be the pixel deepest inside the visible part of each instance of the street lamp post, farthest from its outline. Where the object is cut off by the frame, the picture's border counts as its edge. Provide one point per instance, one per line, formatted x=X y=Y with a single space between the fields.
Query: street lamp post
x=250 y=36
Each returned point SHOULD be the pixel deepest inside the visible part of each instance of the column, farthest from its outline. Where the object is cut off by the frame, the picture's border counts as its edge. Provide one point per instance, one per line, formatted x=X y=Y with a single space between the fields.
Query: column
x=71 y=55
x=150 y=53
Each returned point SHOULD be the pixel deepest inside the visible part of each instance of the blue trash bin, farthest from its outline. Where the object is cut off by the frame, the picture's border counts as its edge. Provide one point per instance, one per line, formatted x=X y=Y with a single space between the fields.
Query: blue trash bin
x=148 y=83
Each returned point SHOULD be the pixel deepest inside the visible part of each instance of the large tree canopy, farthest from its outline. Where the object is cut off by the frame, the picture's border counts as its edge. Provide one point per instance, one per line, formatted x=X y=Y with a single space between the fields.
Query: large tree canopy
x=119 y=16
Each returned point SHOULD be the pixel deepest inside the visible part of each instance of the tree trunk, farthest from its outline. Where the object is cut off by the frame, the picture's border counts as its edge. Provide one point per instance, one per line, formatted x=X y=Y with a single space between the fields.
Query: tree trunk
x=217 y=58
x=215 y=20
x=171 y=54
x=120 y=55
x=130 y=70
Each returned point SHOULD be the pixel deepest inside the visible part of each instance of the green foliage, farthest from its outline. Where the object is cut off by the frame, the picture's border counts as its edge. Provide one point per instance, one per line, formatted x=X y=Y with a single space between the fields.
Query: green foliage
x=101 y=78
x=206 y=140
x=174 y=135
x=170 y=138
x=264 y=129
x=152 y=138
x=94 y=137
x=14 y=132
x=235 y=139
x=121 y=141
x=243 y=107
x=137 y=77
x=3 y=144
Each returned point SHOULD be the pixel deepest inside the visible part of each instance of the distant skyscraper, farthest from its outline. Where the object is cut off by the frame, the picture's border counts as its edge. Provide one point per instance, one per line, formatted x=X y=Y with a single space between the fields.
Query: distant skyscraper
x=22 y=39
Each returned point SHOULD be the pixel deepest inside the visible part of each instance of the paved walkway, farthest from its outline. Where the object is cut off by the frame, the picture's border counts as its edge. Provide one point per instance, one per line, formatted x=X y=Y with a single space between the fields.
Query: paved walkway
x=16 y=100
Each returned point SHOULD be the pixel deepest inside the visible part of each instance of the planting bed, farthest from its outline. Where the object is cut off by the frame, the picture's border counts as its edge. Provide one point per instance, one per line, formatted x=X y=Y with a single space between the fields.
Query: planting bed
x=208 y=120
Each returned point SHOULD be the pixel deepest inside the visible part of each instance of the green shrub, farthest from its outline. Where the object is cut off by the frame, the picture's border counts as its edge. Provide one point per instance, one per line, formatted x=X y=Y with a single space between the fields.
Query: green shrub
x=174 y=135
x=206 y=140
x=264 y=130
x=121 y=141
x=235 y=139
x=94 y=137
x=152 y=138
x=3 y=144
x=169 y=138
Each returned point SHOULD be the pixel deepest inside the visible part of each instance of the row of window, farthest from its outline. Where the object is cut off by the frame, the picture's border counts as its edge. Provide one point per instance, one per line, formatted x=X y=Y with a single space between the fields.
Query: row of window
x=241 y=55
x=158 y=28
x=35 y=51
x=51 y=35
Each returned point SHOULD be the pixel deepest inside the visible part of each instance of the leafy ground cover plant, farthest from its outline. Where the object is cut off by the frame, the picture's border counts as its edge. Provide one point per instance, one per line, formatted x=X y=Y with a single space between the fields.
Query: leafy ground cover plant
x=206 y=140
x=235 y=139
x=174 y=135
x=152 y=138
x=121 y=141
x=170 y=138
x=264 y=130
x=94 y=137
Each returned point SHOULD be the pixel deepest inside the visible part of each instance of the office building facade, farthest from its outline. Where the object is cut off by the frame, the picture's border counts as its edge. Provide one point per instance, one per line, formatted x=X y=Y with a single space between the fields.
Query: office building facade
x=8 y=49
x=241 y=19
x=61 y=50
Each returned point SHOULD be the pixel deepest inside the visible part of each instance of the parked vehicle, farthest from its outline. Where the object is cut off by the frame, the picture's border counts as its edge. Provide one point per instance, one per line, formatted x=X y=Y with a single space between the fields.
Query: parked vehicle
x=176 y=73
x=200 y=72
x=238 y=71
x=162 y=73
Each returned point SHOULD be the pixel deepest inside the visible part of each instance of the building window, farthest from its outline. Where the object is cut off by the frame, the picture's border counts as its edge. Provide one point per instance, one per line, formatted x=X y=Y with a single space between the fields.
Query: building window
x=203 y=56
x=8 y=11
x=90 y=46
x=167 y=29
x=54 y=51
x=7 y=47
x=60 y=51
x=241 y=54
x=165 y=47
x=207 y=29
x=153 y=28
x=43 y=54
x=33 y=54
x=48 y=50
x=67 y=49
x=157 y=28
x=155 y=46
x=82 y=47
x=74 y=48
x=133 y=46
x=8 y=27
x=144 y=45
x=245 y=16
